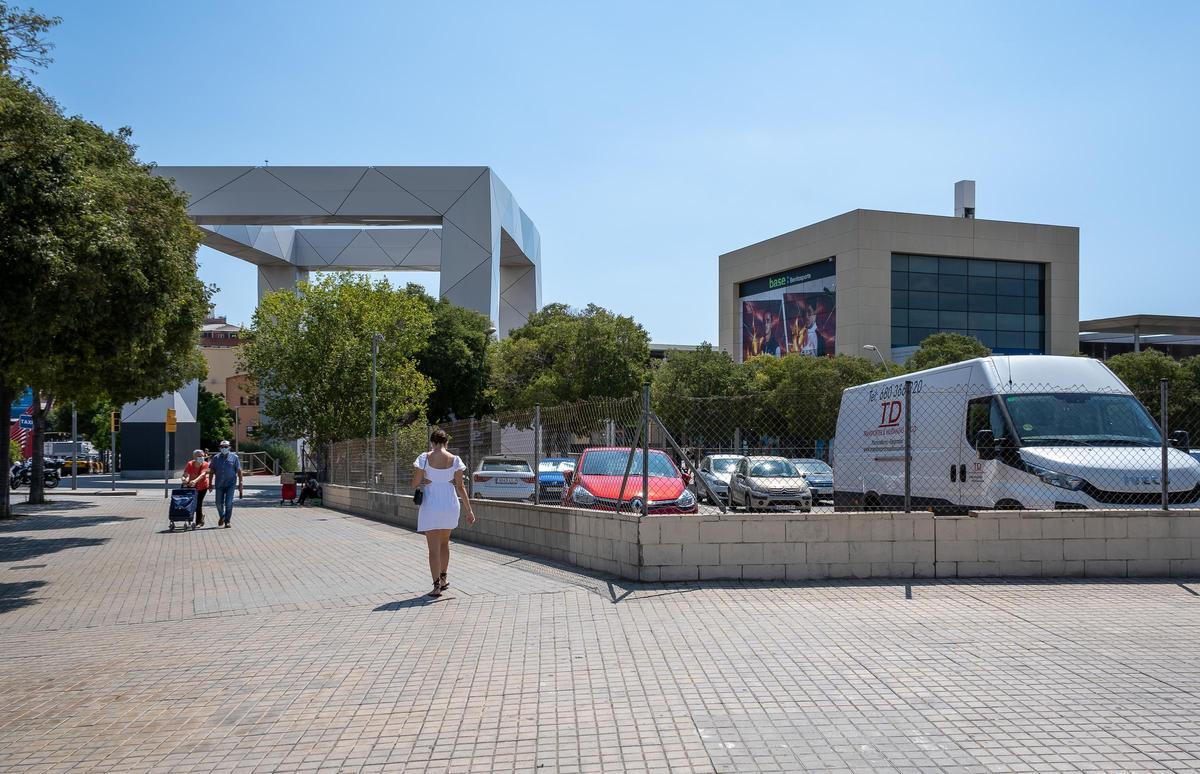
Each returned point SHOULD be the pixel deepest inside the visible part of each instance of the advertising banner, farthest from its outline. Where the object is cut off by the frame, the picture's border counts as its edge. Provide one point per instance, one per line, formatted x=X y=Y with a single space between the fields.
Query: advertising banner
x=794 y=311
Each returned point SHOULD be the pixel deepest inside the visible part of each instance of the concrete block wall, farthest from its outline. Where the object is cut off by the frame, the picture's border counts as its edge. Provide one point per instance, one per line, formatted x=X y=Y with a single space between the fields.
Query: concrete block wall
x=595 y=540
x=818 y=546
x=1047 y=544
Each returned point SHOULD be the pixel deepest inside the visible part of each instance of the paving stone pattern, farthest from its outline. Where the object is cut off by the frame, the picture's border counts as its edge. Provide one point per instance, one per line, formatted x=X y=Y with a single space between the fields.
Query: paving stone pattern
x=299 y=640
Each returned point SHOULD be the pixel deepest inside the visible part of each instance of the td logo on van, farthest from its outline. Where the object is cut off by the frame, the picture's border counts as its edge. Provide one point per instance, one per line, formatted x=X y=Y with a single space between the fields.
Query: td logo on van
x=891 y=412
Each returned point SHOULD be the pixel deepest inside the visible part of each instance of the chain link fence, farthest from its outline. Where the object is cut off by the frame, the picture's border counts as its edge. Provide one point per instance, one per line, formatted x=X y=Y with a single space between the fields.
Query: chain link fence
x=899 y=444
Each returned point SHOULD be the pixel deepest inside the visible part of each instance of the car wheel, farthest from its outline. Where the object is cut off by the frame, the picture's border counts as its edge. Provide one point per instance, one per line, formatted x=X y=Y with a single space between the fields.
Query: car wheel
x=1008 y=505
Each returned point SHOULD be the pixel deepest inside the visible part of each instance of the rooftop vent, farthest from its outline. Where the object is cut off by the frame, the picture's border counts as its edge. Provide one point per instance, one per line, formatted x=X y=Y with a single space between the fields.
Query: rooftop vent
x=964 y=199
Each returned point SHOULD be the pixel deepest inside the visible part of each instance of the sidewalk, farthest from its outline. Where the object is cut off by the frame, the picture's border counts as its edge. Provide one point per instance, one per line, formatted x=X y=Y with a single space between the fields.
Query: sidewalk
x=300 y=640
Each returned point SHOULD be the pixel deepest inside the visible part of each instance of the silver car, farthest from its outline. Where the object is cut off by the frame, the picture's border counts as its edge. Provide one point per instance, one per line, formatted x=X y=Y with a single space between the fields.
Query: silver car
x=769 y=482
x=717 y=470
x=503 y=478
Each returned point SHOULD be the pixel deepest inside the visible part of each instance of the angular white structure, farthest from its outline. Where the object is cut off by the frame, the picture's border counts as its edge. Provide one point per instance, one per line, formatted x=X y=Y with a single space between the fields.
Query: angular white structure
x=461 y=222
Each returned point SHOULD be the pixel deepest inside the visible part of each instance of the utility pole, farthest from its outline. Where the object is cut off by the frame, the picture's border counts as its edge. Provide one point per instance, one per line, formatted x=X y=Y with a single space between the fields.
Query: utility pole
x=74 y=447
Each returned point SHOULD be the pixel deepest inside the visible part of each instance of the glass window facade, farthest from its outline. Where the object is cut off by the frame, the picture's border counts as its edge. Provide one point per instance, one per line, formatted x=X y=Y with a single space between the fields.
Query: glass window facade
x=1001 y=303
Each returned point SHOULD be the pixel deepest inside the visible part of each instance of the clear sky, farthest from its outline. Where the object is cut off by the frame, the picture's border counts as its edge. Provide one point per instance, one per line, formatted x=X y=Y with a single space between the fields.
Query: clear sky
x=645 y=139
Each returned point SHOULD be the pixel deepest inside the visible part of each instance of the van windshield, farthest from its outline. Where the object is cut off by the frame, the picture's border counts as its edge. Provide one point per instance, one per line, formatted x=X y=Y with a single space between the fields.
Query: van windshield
x=1081 y=419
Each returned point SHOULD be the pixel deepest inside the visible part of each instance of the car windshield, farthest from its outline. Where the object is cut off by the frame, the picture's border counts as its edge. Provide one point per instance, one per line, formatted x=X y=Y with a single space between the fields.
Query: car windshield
x=506 y=466
x=725 y=464
x=774 y=469
x=555 y=466
x=612 y=463
x=814 y=467
x=1081 y=419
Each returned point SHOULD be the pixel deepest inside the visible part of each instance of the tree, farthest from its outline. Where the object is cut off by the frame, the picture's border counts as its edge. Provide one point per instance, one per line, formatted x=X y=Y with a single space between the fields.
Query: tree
x=14 y=451
x=561 y=355
x=214 y=417
x=100 y=297
x=455 y=359
x=803 y=394
x=1141 y=373
x=21 y=39
x=693 y=393
x=945 y=348
x=309 y=353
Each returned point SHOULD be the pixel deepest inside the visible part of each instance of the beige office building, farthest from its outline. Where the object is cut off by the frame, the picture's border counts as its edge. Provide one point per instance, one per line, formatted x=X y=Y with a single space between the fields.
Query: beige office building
x=890 y=279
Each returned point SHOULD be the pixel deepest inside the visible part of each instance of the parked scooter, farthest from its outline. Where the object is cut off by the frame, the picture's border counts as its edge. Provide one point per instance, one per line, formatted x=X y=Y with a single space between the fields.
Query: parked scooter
x=22 y=472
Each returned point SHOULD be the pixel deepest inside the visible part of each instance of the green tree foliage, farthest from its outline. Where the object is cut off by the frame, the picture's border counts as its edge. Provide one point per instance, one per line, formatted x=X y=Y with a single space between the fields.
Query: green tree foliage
x=454 y=357
x=309 y=352
x=562 y=355
x=14 y=451
x=1141 y=372
x=945 y=348
x=22 y=45
x=802 y=395
x=100 y=297
x=693 y=392
x=215 y=419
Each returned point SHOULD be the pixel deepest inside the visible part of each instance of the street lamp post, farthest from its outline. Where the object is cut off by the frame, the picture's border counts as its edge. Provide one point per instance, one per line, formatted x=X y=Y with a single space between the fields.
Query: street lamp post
x=875 y=349
x=376 y=340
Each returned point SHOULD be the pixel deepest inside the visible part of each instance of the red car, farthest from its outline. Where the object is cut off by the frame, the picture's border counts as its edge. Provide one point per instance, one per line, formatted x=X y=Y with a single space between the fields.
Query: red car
x=596 y=481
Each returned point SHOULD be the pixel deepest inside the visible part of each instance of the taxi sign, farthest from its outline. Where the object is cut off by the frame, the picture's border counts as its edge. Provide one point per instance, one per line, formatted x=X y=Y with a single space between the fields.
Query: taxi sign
x=26 y=422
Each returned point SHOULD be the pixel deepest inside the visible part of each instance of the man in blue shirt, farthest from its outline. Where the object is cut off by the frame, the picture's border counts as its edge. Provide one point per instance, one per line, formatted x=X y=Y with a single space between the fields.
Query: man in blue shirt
x=224 y=471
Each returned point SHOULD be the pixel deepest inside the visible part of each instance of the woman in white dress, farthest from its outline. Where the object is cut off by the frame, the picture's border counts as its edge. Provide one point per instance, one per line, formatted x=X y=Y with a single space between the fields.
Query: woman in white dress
x=439 y=474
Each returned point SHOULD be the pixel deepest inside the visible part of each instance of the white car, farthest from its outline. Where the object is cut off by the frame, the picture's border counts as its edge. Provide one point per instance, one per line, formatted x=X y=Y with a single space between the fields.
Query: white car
x=1008 y=432
x=503 y=478
x=716 y=470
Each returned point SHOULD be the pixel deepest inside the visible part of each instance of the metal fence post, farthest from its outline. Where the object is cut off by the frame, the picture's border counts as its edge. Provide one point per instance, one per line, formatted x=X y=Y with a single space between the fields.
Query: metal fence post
x=537 y=453
x=396 y=461
x=907 y=446
x=645 y=450
x=1163 y=428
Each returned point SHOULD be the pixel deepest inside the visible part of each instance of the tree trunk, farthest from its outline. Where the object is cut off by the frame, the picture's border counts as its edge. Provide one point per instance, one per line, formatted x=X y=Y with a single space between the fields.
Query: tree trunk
x=6 y=399
x=37 y=488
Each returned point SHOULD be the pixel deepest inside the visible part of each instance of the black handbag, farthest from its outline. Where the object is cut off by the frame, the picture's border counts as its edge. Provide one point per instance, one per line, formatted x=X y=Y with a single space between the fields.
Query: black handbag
x=418 y=493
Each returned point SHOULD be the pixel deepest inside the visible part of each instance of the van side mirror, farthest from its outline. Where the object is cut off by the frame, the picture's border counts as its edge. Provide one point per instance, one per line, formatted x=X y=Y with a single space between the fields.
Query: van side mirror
x=1181 y=440
x=687 y=477
x=567 y=476
x=985 y=444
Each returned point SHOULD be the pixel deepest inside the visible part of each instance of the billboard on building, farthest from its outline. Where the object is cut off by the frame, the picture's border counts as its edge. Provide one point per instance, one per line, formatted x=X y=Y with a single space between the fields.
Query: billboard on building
x=793 y=311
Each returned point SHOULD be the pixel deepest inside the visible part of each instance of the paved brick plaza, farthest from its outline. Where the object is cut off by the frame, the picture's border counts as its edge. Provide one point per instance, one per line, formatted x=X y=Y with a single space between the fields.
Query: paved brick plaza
x=298 y=641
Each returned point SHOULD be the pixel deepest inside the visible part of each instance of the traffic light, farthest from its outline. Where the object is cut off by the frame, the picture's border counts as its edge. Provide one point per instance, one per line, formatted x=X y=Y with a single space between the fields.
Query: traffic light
x=114 y=421
x=170 y=420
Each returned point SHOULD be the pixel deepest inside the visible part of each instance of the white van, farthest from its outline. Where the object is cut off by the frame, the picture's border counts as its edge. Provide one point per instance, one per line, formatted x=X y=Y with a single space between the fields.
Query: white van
x=1019 y=431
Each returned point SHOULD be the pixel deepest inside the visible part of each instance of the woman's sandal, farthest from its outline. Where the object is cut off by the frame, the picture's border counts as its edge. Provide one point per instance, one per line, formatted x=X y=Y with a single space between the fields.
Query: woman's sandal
x=442 y=583
x=437 y=590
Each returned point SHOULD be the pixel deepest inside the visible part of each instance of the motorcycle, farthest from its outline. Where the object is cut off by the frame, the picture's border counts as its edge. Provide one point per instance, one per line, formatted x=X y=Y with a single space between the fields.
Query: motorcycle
x=22 y=473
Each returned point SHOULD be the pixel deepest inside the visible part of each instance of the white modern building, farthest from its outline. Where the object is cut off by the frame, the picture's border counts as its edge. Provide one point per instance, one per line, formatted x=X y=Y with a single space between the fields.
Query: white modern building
x=890 y=279
x=461 y=222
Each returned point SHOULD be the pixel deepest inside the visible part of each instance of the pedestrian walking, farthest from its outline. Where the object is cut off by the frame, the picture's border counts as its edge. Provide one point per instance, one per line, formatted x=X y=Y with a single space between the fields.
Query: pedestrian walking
x=195 y=474
x=224 y=472
x=438 y=474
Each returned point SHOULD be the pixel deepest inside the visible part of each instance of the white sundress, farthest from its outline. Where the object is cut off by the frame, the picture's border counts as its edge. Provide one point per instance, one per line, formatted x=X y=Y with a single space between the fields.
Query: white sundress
x=439 y=506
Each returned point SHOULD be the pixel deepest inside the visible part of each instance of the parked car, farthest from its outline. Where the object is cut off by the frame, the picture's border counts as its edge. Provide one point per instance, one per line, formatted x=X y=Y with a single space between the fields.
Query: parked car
x=550 y=478
x=819 y=476
x=716 y=470
x=596 y=482
x=1038 y=432
x=768 y=482
x=503 y=478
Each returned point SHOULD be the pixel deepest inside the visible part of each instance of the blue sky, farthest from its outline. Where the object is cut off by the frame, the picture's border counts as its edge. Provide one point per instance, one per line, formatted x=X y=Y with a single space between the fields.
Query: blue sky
x=645 y=139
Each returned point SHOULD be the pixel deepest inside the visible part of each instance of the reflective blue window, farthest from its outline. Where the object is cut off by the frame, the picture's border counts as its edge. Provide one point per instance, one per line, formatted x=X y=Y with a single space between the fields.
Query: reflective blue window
x=998 y=302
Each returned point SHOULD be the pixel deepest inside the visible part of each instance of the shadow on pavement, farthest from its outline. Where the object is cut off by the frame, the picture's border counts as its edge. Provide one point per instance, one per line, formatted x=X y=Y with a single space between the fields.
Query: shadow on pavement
x=39 y=521
x=422 y=601
x=22 y=508
x=14 y=596
x=15 y=549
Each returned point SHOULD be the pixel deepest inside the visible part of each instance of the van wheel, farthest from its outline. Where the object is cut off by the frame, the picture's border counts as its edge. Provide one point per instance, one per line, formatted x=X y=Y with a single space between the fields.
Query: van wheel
x=1009 y=505
x=871 y=502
